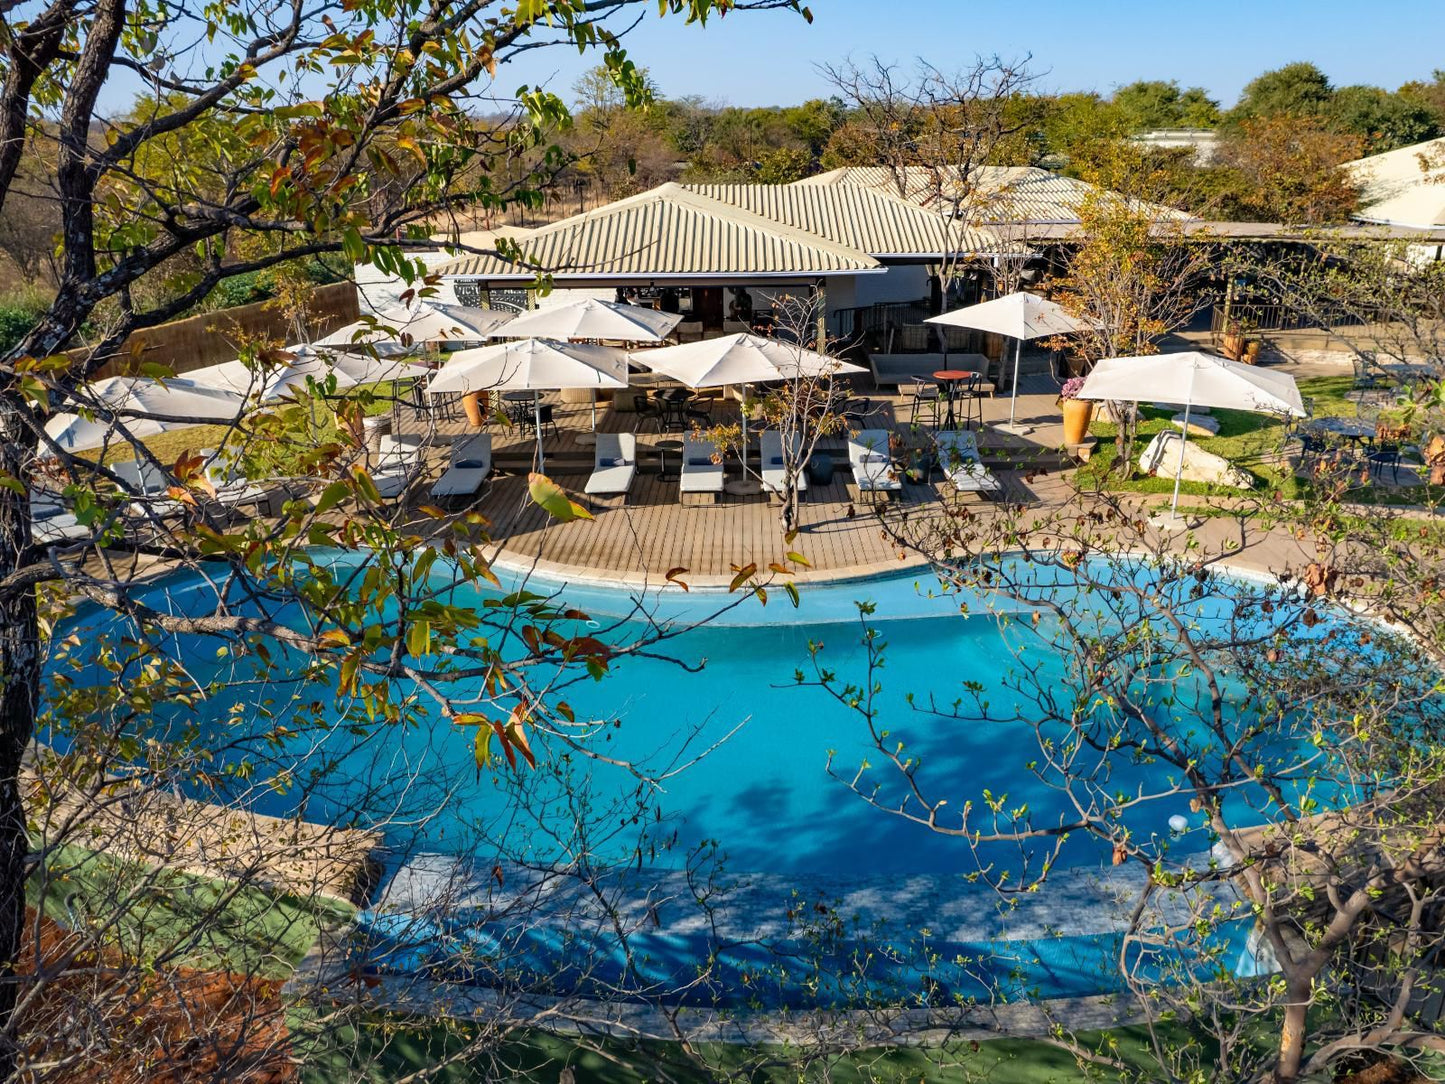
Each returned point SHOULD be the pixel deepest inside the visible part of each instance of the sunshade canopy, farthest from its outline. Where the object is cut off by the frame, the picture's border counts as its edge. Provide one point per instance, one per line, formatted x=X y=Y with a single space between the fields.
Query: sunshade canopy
x=531 y=365
x=739 y=359
x=297 y=363
x=1195 y=378
x=146 y=407
x=403 y=328
x=592 y=318
x=1020 y=315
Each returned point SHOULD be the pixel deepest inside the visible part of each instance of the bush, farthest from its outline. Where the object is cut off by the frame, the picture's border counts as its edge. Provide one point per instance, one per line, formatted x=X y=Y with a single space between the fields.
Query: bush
x=19 y=312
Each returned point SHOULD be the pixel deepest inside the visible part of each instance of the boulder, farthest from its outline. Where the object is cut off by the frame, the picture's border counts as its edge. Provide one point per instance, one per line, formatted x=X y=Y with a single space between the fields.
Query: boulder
x=1180 y=407
x=1161 y=457
x=1204 y=426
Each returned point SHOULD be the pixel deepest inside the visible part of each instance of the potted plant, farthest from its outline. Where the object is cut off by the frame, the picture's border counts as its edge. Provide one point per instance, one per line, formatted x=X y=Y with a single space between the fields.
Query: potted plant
x=475 y=404
x=1077 y=412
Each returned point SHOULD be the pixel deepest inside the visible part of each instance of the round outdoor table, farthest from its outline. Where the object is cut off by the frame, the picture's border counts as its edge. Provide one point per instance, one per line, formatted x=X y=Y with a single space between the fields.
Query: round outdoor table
x=673 y=402
x=519 y=404
x=1352 y=429
x=949 y=380
x=663 y=447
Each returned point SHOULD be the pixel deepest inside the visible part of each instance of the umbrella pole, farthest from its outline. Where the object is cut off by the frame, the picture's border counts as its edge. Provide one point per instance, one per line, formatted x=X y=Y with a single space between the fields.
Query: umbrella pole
x=1013 y=426
x=1184 y=437
x=743 y=455
x=537 y=424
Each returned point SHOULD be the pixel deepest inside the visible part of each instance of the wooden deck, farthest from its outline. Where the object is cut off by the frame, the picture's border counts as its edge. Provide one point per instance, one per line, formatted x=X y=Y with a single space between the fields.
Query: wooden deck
x=652 y=533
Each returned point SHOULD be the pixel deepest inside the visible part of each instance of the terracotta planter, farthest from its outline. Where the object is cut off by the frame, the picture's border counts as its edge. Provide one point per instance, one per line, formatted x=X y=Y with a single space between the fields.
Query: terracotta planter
x=1077 y=415
x=475 y=405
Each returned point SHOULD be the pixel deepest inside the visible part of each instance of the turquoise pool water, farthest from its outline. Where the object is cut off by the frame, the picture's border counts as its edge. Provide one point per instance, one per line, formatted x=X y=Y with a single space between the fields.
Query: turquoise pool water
x=760 y=801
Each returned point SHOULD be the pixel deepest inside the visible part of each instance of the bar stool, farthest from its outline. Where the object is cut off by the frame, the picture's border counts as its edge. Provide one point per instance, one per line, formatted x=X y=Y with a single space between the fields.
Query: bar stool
x=970 y=401
x=926 y=398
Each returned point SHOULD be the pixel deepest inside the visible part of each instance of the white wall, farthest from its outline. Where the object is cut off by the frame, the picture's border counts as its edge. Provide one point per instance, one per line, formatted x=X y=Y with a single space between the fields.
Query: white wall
x=901 y=282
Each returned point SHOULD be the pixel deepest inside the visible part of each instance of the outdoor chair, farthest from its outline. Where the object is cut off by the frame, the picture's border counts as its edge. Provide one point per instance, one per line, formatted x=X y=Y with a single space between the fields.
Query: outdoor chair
x=969 y=406
x=397 y=465
x=915 y=338
x=871 y=461
x=543 y=416
x=959 y=459
x=1382 y=455
x=774 y=464
x=927 y=400
x=1312 y=447
x=614 y=465
x=469 y=468
x=702 y=471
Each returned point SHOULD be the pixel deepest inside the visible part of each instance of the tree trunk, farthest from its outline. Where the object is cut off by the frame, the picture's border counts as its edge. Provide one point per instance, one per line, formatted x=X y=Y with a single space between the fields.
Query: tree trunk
x=1292 y=1033
x=789 y=511
x=19 y=698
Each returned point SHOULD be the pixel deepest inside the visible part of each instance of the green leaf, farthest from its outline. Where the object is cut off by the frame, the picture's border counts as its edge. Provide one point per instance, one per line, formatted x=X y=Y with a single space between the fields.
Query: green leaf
x=743 y=575
x=331 y=496
x=483 y=747
x=553 y=500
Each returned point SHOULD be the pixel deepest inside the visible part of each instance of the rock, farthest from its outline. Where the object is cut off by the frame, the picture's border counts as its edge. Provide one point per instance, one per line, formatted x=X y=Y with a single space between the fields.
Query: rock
x=1161 y=457
x=1180 y=407
x=1198 y=426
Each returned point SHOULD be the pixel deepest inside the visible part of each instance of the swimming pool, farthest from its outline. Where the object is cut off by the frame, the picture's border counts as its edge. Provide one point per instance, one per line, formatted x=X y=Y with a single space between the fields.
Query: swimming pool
x=737 y=793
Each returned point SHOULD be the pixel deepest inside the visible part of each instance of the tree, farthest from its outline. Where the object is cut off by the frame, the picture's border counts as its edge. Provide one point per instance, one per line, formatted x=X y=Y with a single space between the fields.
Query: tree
x=1146 y=105
x=1135 y=275
x=802 y=409
x=1298 y=89
x=933 y=132
x=1075 y=124
x=1431 y=95
x=1289 y=171
x=1383 y=121
x=1293 y=745
x=339 y=128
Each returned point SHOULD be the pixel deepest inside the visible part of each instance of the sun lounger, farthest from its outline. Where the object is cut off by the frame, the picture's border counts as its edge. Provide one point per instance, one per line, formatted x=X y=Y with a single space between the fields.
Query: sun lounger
x=146 y=484
x=397 y=465
x=233 y=488
x=701 y=476
x=774 y=465
x=614 y=465
x=872 y=462
x=959 y=459
x=468 y=468
x=52 y=522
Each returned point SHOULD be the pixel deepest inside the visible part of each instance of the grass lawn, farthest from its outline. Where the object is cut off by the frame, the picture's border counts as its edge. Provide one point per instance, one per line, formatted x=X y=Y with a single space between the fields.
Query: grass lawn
x=187 y=921
x=387 y=1050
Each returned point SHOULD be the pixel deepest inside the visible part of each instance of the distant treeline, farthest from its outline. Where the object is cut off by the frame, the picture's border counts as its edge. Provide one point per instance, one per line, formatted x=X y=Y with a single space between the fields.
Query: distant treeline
x=688 y=139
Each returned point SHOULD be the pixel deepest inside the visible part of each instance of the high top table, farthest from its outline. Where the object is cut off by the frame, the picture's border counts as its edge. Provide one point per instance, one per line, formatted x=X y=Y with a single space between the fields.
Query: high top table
x=949 y=380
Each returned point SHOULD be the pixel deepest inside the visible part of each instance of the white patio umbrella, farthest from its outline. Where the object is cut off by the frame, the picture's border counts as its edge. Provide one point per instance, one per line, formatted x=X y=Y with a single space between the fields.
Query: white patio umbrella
x=742 y=359
x=145 y=406
x=532 y=365
x=269 y=383
x=1195 y=379
x=411 y=325
x=592 y=318
x=1020 y=316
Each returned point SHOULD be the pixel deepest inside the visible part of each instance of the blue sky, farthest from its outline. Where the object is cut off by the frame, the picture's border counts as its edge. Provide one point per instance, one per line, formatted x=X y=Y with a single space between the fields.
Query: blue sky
x=768 y=58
